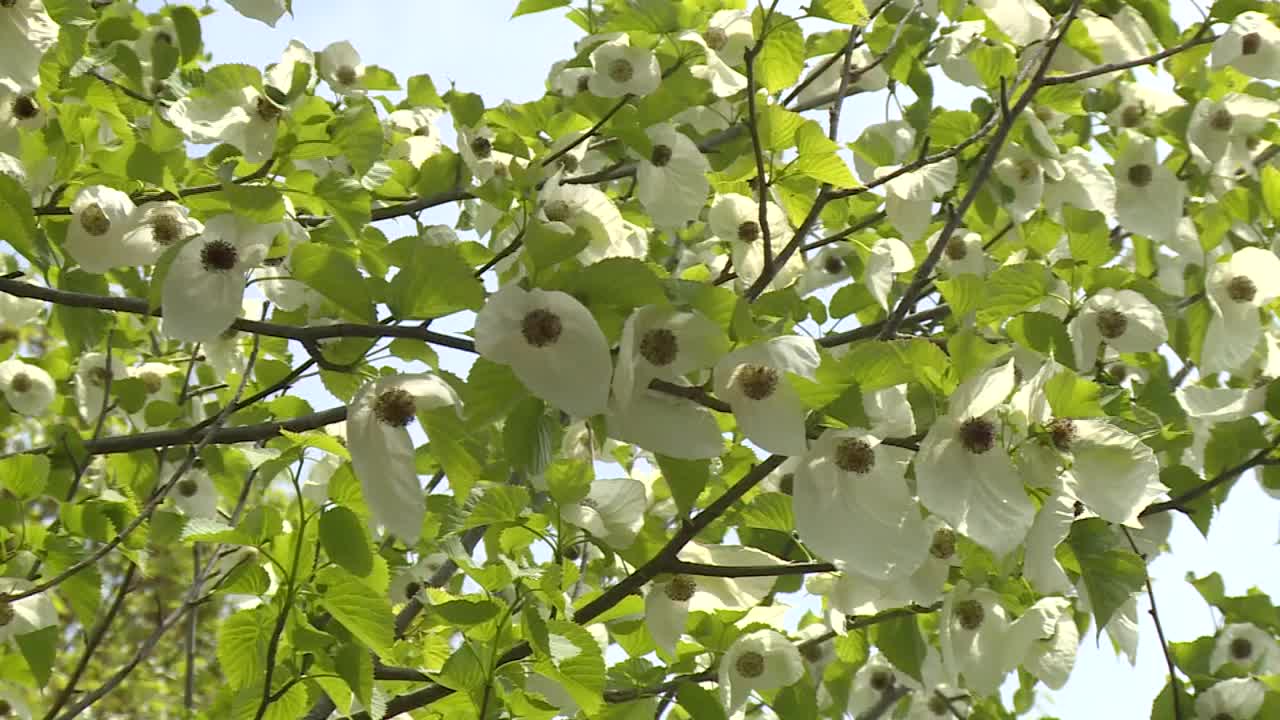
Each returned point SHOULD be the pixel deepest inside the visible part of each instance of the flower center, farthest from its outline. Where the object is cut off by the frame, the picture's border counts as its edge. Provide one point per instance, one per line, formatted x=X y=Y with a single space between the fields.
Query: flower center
x=1221 y=120
x=8 y=334
x=481 y=147
x=957 y=249
x=1077 y=509
x=1250 y=44
x=833 y=265
x=969 y=614
x=6 y=613
x=584 y=83
x=394 y=407
x=152 y=382
x=1241 y=648
x=977 y=435
x=20 y=383
x=569 y=163
x=8 y=3
x=716 y=38
x=881 y=680
x=345 y=74
x=750 y=664
x=5 y=708
x=937 y=705
x=267 y=110
x=681 y=588
x=757 y=382
x=99 y=376
x=661 y=155
x=188 y=487
x=749 y=231
x=1062 y=431
x=1241 y=289
x=1132 y=115
x=411 y=590
x=659 y=346
x=25 y=107
x=218 y=256
x=1111 y=323
x=943 y=546
x=811 y=652
x=166 y=228
x=855 y=455
x=94 y=220
x=1027 y=170
x=1140 y=175
x=541 y=327
x=787 y=484
x=557 y=211
x=620 y=70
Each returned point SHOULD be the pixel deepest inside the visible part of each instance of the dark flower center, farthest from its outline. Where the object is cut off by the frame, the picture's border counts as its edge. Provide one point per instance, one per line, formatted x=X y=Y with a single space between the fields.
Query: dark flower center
x=218 y=256
x=8 y=3
x=757 y=382
x=8 y=334
x=6 y=613
x=21 y=383
x=481 y=147
x=1062 y=431
x=5 y=707
x=557 y=211
x=749 y=231
x=957 y=249
x=811 y=652
x=1140 y=175
x=855 y=455
x=977 y=435
x=411 y=590
x=584 y=83
x=394 y=407
x=569 y=163
x=716 y=38
x=943 y=546
x=1241 y=289
x=750 y=664
x=94 y=220
x=541 y=327
x=267 y=110
x=620 y=70
x=969 y=614
x=1132 y=115
x=1250 y=44
x=661 y=155
x=1111 y=323
x=166 y=228
x=1027 y=170
x=25 y=107
x=1241 y=648
x=659 y=346
x=1221 y=120
x=681 y=588
x=787 y=484
x=881 y=680
x=99 y=376
x=152 y=382
x=1077 y=509
x=938 y=705
x=188 y=487
x=345 y=74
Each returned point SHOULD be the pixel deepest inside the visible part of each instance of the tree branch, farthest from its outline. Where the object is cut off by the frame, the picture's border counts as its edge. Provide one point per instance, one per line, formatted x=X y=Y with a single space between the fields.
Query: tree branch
x=1155 y=616
x=738 y=571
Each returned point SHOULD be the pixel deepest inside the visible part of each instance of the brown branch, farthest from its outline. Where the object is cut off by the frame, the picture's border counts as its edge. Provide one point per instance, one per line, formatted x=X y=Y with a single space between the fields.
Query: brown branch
x=757 y=148
x=1199 y=39
x=731 y=571
x=1180 y=501
x=1155 y=616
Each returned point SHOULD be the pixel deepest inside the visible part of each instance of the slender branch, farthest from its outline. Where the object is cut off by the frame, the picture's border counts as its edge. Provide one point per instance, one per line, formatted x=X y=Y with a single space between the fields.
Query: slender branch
x=873 y=329
x=590 y=133
x=1155 y=616
x=732 y=571
x=1199 y=39
x=1179 y=502
x=888 y=699
x=757 y=148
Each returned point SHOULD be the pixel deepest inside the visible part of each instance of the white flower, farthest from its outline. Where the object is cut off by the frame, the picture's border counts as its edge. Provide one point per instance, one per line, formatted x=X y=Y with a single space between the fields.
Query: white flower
x=761 y=660
x=909 y=197
x=382 y=452
x=1024 y=174
x=267 y=11
x=664 y=343
x=1237 y=698
x=852 y=506
x=1219 y=131
x=244 y=117
x=26 y=615
x=155 y=227
x=484 y=161
x=160 y=382
x=864 y=75
x=1040 y=564
x=871 y=682
x=612 y=511
x=1247 y=646
x=588 y=209
x=19 y=110
x=1236 y=289
x=12 y=696
x=953 y=52
x=1047 y=639
x=203 y=290
x=552 y=343
x=753 y=380
x=100 y=219
x=1148 y=195
x=1140 y=104
x=1121 y=319
x=91 y=382
x=938 y=699
x=963 y=472
x=28 y=388
x=423 y=139
x=672 y=182
x=568 y=81
x=26 y=33
x=729 y=34
x=1251 y=45
x=668 y=602
x=16 y=313
x=736 y=219
x=623 y=70
x=194 y=493
x=1111 y=471
x=1084 y=184
x=889 y=256
x=339 y=64
x=1024 y=21
x=281 y=74
x=974 y=634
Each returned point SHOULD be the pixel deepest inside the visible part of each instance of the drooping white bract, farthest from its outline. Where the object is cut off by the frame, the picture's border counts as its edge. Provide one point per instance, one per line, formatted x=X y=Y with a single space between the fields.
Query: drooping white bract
x=727 y=36
x=1149 y=195
x=612 y=511
x=1185 y=251
x=340 y=66
x=29 y=614
x=26 y=33
x=1024 y=21
x=92 y=375
x=1084 y=184
x=100 y=218
x=753 y=380
x=760 y=660
x=1122 y=319
x=1236 y=289
x=155 y=227
x=953 y=52
x=203 y=289
x=15 y=313
x=669 y=601
x=937 y=698
x=15 y=697
x=587 y=209
x=382 y=453
x=1040 y=564
x=194 y=494
x=1237 y=698
x=871 y=682
x=974 y=633
x=735 y=219
x=623 y=70
x=963 y=255
x=1247 y=646
x=19 y=110
x=422 y=136
x=1220 y=131
x=666 y=424
x=1024 y=174
x=963 y=471
x=852 y=506
x=244 y=117
x=1140 y=105
x=1251 y=45
x=552 y=343
x=865 y=74
x=889 y=256
x=909 y=197
x=266 y=11
x=1046 y=639
x=664 y=343
x=1206 y=407
x=28 y=388
x=672 y=182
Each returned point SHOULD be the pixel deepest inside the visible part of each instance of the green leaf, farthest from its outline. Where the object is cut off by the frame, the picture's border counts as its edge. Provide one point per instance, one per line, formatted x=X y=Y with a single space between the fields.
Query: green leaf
x=698 y=702
x=355 y=665
x=462 y=671
x=85 y=328
x=255 y=202
x=467 y=612
x=367 y=615
x=346 y=200
x=1071 y=396
x=24 y=475
x=334 y=275
x=964 y=293
x=435 y=282
x=527 y=7
x=782 y=57
x=829 y=168
x=1012 y=289
x=359 y=133
x=843 y=11
x=1111 y=573
x=422 y=92
x=900 y=641
x=576 y=662
x=344 y=539
x=1088 y=236
x=1043 y=333
x=242 y=645
x=440 y=173
x=569 y=480
x=769 y=511
x=499 y=504
x=1271 y=191
x=40 y=649
x=546 y=247
x=685 y=479
x=526 y=437
x=624 y=282
x=187 y=25
x=466 y=108
x=492 y=391
x=17 y=221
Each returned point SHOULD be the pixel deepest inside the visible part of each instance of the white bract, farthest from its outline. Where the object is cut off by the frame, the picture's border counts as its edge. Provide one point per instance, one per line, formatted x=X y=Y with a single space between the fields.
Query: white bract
x=194 y=493
x=1236 y=290
x=736 y=219
x=382 y=451
x=889 y=256
x=28 y=388
x=101 y=217
x=26 y=615
x=823 y=81
x=244 y=117
x=155 y=227
x=753 y=380
x=621 y=69
x=422 y=139
x=1220 y=131
x=1237 y=698
x=1149 y=195
x=761 y=660
x=340 y=66
x=92 y=376
x=909 y=196
x=26 y=33
x=1251 y=45
x=612 y=511
x=268 y=11
x=672 y=182
x=1247 y=646
x=1121 y=319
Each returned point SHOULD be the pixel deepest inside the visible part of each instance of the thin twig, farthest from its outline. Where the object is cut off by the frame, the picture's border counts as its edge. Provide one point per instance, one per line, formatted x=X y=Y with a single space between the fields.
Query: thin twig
x=1155 y=616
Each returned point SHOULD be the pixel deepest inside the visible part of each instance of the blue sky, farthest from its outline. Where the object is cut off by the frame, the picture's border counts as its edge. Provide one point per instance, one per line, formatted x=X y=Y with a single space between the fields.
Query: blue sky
x=473 y=43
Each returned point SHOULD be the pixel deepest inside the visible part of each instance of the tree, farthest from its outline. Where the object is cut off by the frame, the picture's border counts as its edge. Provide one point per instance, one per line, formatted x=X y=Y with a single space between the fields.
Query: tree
x=948 y=400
